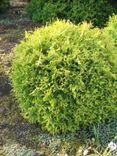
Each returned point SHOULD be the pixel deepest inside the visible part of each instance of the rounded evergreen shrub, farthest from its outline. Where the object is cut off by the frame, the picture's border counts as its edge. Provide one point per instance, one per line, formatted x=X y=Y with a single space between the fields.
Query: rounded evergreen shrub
x=4 y=4
x=111 y=28
x=64 y=76
x=74 y=10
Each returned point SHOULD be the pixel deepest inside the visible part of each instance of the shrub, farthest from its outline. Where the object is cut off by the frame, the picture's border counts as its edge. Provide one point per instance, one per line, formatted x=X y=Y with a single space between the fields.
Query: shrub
x=111 y=31
x=75 y=10
x=4 y=4
x=64 y=76
x=111 y=28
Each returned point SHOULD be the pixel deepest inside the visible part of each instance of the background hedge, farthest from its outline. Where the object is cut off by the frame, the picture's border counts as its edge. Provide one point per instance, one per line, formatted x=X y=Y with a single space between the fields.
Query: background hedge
x=4 y=4
x=96 y=11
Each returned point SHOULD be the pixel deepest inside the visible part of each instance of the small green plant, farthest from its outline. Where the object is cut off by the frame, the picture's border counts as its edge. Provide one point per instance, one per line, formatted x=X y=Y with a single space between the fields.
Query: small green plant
x=104 y=132
x=4 y=4
x=75 y=10
x=64 y=76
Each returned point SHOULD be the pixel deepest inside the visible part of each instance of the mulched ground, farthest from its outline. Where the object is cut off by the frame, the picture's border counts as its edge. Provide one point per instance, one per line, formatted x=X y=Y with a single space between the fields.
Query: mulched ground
x=13 y=127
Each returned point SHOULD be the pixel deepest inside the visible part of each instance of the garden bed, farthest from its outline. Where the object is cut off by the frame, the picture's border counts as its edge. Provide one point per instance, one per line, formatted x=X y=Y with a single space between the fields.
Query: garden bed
x=18 y=137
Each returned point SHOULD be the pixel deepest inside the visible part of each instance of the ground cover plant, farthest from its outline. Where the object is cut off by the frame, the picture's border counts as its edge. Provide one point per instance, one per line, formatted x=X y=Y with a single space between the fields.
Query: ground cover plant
x=75 y=10
x=64 y=76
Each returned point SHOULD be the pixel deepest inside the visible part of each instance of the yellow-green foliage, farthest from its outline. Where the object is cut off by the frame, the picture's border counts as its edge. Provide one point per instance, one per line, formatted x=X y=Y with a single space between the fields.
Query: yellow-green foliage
x=64 y=76
x=111 y=32
x=111 y=28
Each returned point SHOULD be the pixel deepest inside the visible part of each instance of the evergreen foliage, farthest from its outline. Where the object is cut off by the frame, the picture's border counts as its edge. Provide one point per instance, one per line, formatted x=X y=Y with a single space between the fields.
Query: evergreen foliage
x=65 y=77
